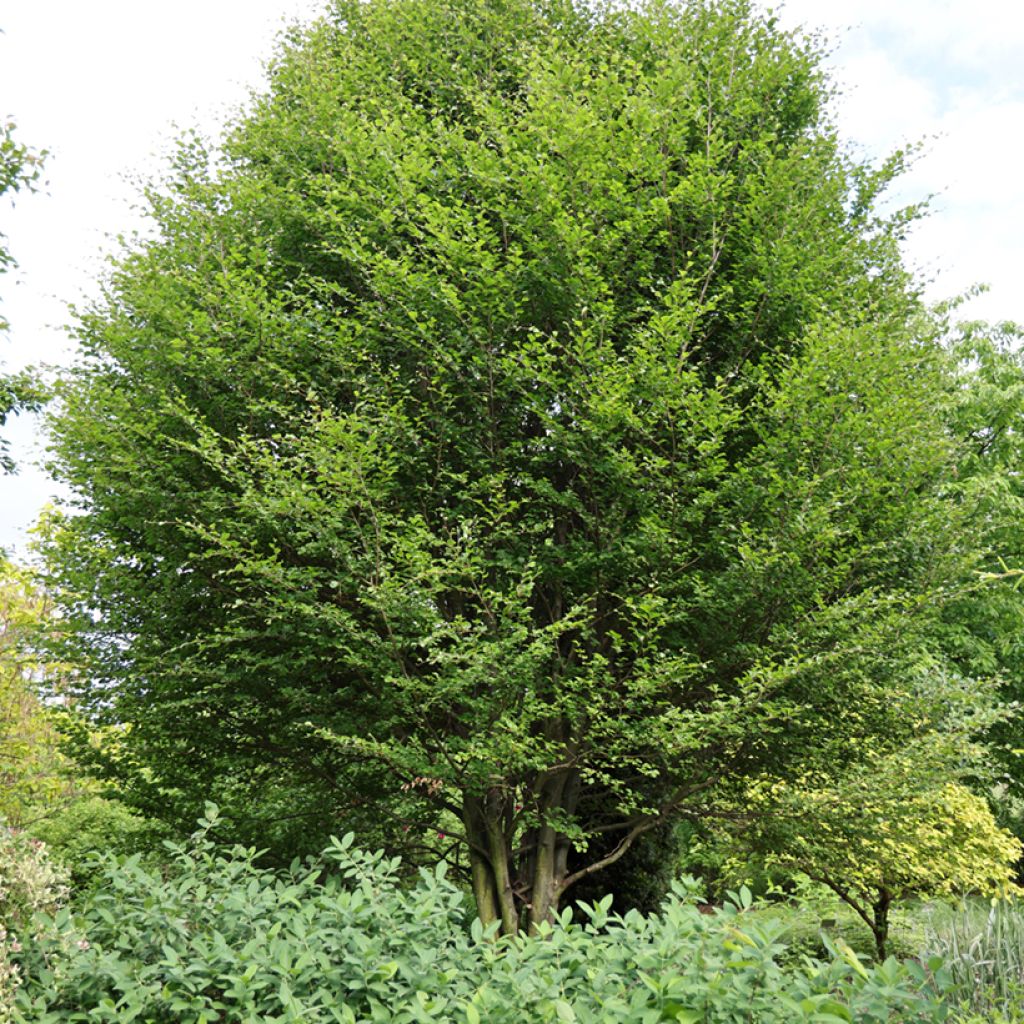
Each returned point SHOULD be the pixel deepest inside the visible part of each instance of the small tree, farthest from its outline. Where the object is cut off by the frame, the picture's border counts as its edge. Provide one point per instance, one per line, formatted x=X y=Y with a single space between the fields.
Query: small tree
x=883 y=832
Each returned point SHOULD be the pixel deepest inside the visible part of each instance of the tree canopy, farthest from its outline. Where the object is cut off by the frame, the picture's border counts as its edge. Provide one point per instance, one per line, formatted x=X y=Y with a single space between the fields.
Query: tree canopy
x=31 y=768
x=519 y=432
x=20 y=168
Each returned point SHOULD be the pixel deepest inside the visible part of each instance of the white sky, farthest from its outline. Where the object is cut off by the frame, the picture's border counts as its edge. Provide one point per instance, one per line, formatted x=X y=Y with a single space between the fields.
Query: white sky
x=101 y=84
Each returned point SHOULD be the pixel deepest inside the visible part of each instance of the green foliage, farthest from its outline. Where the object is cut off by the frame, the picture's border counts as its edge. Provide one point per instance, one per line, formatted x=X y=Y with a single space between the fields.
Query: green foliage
x=40 y=789
x=30 y=884
x=982 y=944
x=986 y=626
x=940 y=841
x=901 y=822
x=20 y=168
x=522 y=432
x=219 y=938
x=811 y=913
x=88 y=825
x=32 y=772
x=880 y=833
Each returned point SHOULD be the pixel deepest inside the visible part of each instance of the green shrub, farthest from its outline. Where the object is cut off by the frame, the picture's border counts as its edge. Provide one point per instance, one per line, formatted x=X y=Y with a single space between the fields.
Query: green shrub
x=29 y=883
x=342 y=939
x=92 y=825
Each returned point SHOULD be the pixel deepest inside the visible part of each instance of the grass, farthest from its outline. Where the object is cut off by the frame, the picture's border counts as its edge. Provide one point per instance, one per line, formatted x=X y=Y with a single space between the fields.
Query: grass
x=813 y=909
x=981 y=943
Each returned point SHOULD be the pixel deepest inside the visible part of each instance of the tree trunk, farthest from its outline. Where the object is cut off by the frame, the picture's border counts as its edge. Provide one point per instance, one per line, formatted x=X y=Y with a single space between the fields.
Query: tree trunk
x=880 y=923
x=540 y=865
x=501 y=855
x=551 y=852
x=489 y=859
x=485 y=892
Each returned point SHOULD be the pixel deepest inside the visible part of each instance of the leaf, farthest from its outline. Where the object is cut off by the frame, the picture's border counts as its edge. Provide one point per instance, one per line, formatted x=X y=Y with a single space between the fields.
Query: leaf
x=564 y=1011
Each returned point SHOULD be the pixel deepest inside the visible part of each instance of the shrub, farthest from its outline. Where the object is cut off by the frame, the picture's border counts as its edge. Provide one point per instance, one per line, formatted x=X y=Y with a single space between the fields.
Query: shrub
x=91 y=825
x=29 y=883
x=341 y=939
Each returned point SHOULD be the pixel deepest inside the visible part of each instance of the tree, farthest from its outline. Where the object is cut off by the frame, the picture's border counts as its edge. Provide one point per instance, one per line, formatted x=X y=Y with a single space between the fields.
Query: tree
x=20 y=168
x=985 y=627
x=519 y=435
x=31 y=774
x=900 y=823
x=876 y=846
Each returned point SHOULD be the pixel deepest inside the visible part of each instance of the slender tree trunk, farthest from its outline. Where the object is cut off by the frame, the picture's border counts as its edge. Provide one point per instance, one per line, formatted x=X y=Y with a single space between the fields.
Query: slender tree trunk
x=880 y=923
x=485 y=892
x=501 y=856
x=551 y=858
x=543 y=892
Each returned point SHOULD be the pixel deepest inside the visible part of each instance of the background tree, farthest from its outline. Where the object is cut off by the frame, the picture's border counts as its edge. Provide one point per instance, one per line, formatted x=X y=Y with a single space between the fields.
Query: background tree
x=877 y=838
x=985 y=627
x=521 y=434
x=31 y=768
x=901 y=822
x=20 y=168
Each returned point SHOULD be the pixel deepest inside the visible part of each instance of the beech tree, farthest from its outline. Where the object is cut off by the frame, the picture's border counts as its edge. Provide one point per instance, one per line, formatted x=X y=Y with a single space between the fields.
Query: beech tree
x=518 y=433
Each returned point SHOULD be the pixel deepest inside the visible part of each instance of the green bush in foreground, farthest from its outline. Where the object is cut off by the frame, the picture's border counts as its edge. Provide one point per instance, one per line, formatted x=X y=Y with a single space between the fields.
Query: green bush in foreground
x=219 y=938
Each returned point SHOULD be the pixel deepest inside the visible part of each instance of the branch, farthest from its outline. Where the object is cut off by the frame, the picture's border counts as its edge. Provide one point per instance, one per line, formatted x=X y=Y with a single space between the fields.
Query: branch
x=846 y=898
x=625 y=843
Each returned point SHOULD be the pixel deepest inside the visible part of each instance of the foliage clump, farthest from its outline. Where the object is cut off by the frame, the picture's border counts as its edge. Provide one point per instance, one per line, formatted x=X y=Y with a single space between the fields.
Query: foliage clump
x=342 y=939
x=20 y=168
x=32 y=772
x=30 y=884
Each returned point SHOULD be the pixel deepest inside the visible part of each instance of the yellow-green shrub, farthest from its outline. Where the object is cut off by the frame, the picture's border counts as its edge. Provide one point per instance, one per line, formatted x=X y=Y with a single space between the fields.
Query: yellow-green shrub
x=882 y=832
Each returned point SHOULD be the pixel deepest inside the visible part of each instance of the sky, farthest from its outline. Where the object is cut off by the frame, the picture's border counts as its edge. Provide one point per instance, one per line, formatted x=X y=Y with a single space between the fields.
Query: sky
x=103 y=85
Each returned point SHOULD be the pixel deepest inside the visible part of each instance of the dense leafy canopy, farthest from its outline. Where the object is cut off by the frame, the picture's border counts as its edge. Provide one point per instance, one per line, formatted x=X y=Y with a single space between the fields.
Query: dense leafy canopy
x=31 y=767
x=520 y=433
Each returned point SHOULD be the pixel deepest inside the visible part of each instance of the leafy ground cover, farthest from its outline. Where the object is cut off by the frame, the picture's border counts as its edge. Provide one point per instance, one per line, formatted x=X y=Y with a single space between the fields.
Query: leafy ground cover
x=346 y=939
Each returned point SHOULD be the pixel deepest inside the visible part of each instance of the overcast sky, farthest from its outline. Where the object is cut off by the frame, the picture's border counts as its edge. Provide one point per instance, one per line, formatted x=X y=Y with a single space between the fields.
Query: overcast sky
x=101 y=85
